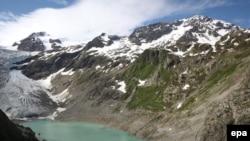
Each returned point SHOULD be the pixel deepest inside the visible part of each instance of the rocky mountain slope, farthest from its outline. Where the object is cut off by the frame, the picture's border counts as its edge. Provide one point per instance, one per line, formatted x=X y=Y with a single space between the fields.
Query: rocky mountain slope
x=39 y=41
x=184 y=80
x=13 y=132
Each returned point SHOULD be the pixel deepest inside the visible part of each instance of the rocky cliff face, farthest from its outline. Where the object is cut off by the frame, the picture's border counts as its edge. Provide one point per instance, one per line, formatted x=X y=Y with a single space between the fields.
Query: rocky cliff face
x=38 y=41
x=184 y=80
x=13 y=132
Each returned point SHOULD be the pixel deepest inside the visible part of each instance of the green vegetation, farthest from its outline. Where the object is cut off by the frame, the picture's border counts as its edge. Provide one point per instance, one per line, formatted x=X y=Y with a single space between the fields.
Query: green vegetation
x=243 y=54
x=168 y=76
x=149 y=98
x=79 y=78
x=186 y=103
x=239 y=54
x=144 y=66
x=143 y=70
x=220 y=74
x=149 y=65
x=201 y=74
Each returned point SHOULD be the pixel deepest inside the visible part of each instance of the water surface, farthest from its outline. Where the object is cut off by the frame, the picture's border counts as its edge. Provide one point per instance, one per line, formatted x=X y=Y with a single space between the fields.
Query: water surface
x=76 y=131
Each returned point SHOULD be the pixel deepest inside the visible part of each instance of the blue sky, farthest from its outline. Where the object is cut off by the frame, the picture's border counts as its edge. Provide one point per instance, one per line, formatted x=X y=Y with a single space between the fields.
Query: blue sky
x=84 y=19
x=19 y=7
x=233 y=11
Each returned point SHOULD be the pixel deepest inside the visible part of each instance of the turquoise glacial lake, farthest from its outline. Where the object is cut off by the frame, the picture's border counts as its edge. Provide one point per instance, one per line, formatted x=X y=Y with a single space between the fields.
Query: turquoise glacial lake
x=76 y=131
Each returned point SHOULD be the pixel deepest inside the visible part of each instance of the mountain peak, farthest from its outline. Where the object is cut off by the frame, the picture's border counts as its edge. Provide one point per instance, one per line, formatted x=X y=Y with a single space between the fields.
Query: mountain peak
x=211 y=23
x=101 y=41
x=39 y=34
x=196 y=29
x=200 y=17
x=38 y=41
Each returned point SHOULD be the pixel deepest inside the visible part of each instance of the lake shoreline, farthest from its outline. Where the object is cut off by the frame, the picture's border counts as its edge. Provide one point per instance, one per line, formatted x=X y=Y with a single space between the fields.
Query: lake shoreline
x=132 y=125
x=47 y=127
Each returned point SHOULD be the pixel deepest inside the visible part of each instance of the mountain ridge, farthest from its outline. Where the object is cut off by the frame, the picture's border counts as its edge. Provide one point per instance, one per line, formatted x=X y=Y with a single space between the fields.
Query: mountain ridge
x=157 y=83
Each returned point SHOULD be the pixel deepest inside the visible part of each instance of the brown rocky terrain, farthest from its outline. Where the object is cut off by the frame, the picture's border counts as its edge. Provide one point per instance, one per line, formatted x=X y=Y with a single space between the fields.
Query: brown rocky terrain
x=217 y=96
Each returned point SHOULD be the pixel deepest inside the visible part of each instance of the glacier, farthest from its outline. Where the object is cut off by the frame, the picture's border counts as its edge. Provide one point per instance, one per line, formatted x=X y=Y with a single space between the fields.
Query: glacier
x=21 y=97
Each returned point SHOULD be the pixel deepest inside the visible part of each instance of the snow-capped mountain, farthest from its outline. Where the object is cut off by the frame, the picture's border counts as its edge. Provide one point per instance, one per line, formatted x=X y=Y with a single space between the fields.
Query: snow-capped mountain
x=38 y=41
x=42 y=41
x=156 y=79
x=178 y=37
x=197 y=28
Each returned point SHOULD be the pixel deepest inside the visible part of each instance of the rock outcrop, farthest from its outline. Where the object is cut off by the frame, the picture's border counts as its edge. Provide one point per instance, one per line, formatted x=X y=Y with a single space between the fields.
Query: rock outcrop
x=38 y=41
x=10 y=131
x=32 y=43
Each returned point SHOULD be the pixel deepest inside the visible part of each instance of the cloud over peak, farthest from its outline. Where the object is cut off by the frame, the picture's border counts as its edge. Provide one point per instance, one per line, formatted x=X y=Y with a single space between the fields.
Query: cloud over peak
x=86 y=19
x=60 y=2
x=6 y=16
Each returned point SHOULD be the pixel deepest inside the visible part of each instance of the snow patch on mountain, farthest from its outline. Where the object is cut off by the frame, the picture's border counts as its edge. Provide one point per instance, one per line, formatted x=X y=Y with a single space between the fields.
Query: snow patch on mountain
x=142 y=82
x=46 y=82
x=186 y=86
x=201 y=29
x=70 y=72
x=179 y=105
x=61 y=97
x=55 y=114
x=236 y=44
x=122 y=87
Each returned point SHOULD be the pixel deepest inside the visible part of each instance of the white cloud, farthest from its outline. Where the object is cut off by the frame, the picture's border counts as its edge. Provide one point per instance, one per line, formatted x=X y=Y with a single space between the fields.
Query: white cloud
x=60 y=2
x=88 y=18
x=7 y=16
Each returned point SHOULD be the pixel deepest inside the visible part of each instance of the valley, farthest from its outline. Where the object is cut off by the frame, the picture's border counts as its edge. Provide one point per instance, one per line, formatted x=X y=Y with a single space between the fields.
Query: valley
x=181 y=80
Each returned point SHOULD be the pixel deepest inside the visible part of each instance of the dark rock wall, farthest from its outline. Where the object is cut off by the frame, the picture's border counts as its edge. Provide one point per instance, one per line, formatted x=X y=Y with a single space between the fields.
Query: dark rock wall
x=12 y=132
